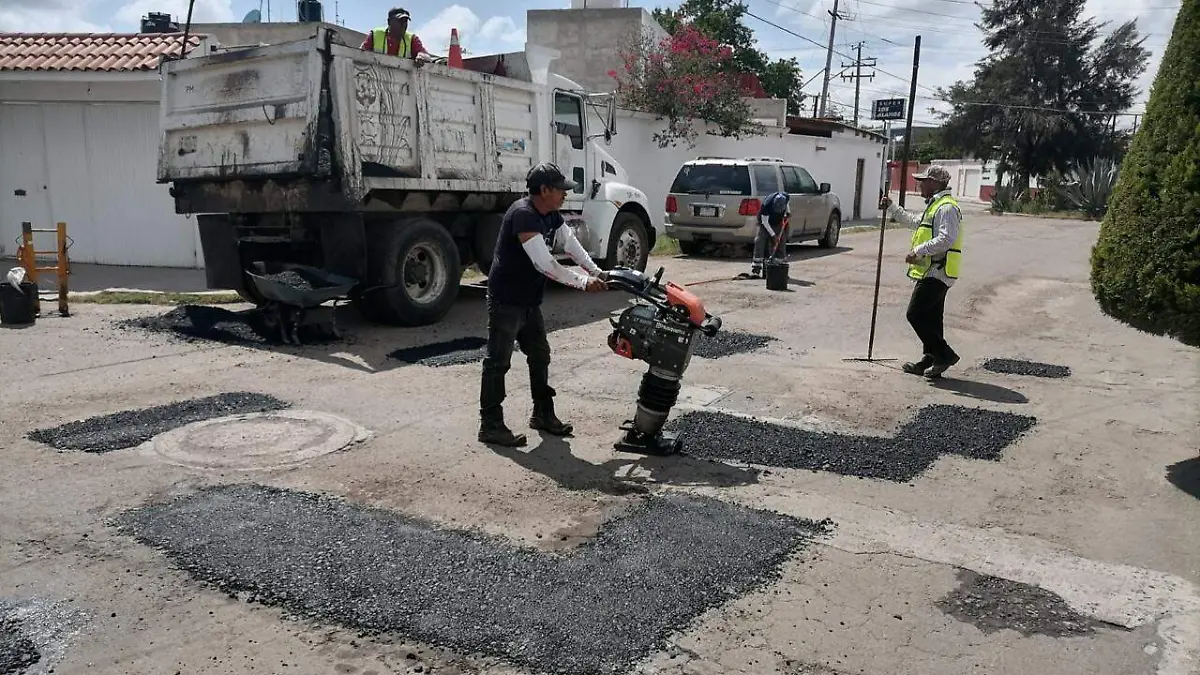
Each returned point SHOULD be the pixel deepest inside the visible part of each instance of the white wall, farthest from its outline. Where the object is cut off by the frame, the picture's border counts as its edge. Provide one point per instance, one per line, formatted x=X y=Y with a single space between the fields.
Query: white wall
x=829 y=160
x=589 y=41
x=90 y=162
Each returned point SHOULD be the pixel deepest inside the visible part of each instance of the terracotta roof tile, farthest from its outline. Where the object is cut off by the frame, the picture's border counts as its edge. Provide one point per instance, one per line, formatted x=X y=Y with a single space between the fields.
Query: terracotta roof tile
x=103 y=52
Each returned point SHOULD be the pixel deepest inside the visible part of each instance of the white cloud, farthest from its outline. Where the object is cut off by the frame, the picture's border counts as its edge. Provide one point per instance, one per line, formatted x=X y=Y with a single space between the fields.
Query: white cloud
x=475 y=35
x=52 y=17
x=66 y=16
x=204 y=11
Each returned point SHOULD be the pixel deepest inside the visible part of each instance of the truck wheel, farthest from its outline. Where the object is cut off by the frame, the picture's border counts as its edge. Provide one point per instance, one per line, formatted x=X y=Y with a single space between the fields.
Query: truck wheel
x=416 y=262
x=688 y=247
x=832 y=231
x=487 y=229
x=628 y=246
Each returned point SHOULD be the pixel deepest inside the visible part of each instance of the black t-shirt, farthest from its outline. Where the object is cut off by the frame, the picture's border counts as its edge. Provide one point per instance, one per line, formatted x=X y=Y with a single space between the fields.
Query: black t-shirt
x=513 y=280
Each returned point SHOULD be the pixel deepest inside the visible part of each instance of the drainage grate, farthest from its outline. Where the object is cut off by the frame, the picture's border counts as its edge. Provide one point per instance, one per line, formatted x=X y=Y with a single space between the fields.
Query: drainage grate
x=728 y=343
x=450 y=353
x=17 y=652
x=992 y=604
x=1031 y=368
x=598 y=609
x=129 y=428
x=937 y=430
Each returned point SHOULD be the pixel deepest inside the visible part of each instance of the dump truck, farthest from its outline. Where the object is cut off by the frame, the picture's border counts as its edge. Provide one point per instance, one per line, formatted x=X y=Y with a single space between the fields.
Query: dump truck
x=387 y=171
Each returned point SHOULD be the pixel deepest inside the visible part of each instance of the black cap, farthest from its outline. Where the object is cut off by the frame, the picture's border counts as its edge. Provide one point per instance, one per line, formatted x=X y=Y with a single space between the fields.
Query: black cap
x=547 y=175
x=398 y=13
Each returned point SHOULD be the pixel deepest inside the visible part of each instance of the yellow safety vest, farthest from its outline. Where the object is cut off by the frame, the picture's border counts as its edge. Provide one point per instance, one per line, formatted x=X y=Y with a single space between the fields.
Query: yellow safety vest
x=924 y=232
x=379 y=42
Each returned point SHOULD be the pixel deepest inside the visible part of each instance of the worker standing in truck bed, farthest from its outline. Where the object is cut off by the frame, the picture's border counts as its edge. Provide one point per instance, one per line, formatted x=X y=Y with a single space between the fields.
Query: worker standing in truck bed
x=395 y=39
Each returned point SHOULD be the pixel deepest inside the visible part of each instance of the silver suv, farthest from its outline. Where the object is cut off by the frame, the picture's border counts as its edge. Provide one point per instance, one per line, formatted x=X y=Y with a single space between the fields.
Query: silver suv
x=715 y=200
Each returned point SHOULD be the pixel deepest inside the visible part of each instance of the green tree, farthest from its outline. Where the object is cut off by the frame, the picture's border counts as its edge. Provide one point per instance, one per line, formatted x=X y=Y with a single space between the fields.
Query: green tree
x=722 y=20
x=1045 y=59
x=1146 y=263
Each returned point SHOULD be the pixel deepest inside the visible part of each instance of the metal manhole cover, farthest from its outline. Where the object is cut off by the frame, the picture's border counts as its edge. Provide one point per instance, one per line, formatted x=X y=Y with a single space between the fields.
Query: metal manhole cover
x=256 y=441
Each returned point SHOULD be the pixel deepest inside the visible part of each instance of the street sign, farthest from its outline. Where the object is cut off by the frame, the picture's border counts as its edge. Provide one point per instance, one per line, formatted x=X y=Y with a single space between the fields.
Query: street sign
x=888 y=109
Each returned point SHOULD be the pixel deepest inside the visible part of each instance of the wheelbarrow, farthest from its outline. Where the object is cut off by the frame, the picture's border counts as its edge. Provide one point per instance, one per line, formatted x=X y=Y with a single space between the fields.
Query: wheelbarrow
x=296 y=295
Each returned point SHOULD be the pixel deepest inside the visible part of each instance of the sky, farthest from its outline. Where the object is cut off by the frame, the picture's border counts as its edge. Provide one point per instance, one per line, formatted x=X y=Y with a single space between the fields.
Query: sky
x=950 y=43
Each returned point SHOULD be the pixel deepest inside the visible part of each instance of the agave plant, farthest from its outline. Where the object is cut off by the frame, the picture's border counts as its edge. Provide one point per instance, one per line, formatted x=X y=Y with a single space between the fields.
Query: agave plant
x=1089 y=186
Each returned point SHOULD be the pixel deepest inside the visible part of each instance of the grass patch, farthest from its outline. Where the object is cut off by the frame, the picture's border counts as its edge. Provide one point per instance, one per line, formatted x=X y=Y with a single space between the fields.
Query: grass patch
x=665 y=246
x=149 y=298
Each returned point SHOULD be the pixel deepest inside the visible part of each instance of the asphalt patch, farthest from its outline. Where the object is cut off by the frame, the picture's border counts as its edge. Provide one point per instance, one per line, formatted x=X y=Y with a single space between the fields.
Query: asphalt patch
x=292 y=279
x=200 y=323
x=449 y=353
x=597 y=609
x=1030 y=368
x=17 y=652
x=728 y=343
x=126 y=429
x=992 y=604
x=936 y=430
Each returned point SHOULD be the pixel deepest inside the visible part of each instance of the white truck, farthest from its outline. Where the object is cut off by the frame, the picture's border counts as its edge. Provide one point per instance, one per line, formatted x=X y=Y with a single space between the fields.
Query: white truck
x=372 y=167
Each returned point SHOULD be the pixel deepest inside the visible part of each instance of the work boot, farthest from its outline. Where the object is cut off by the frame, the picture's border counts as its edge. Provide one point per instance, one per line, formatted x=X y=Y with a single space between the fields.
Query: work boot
x=940 y=367
x=919 y=367
x=544 y=419
x=492 y=430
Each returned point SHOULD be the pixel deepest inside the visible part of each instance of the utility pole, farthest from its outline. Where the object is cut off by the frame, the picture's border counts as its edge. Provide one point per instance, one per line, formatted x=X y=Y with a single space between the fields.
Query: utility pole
x=858 y=75
x=828 y=59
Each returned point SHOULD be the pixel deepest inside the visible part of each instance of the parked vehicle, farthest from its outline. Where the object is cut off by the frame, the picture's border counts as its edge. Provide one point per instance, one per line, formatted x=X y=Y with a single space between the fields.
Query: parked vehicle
x=373 y=168
x=715 y=200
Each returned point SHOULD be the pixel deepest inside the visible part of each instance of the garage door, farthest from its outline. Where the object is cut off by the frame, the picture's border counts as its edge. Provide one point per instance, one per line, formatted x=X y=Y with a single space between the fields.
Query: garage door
x=24 y=184
x=99 y=164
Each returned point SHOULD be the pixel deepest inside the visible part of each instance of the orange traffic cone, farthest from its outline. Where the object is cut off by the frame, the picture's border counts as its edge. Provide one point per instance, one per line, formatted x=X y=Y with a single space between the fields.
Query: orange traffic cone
x=455 y=60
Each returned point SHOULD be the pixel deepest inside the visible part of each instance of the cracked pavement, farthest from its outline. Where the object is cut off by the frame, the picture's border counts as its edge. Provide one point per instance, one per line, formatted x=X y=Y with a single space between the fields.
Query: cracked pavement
x=1079 y=507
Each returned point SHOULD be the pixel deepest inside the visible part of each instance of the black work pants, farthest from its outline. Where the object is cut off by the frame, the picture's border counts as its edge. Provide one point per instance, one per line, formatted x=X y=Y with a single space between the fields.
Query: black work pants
x=523 y=326
x=926 y=308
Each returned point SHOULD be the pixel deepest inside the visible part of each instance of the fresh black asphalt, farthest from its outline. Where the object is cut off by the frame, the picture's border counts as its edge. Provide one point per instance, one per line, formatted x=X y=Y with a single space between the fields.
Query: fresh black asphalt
x=454 y=352
x=1029 y=368
x=598 y=609
x=17 y=652
x=992 y=604
x=937 y=430
x=727 y=343
x=129 y=428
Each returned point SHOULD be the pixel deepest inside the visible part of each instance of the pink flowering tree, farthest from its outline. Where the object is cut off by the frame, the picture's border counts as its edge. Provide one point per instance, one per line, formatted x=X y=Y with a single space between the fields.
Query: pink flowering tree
x=684 y=78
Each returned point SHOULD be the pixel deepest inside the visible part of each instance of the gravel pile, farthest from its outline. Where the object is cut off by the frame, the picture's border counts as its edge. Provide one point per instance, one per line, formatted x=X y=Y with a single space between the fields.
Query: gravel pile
x=728 y=343
x=450 y=353
x=1031 y=368
x=993 y=604
x=598 y=609
x=17 y=652
x=198 y=322
x=127 y=429
x=936 y=430
x=292 y=279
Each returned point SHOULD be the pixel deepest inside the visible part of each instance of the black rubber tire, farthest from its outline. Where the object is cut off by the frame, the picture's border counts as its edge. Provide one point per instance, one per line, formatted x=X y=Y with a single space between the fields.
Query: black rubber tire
x=388 y=247
x=487 y=229
x=833 y=231
x=628 y=222
x=689 y=247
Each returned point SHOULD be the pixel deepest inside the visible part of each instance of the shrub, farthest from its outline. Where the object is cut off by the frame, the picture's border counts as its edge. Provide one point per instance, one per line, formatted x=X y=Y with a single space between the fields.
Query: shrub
x=1088 y=188
x=1146 y=263
x=681 y=78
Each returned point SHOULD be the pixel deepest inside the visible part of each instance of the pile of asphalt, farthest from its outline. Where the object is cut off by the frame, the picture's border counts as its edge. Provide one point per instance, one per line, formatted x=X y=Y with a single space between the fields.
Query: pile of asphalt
x=291 y=279
x=597 y=609
x=197 y=323
x=992 y=604
x=17 y=652
x=1030 y=368
x=449 y=353
x=728 y=343
x=129 y=428
x=936 y=430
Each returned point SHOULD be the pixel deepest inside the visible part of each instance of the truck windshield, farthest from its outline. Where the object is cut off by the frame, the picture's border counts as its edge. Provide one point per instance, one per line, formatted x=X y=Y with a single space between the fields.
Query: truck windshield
x=715 y=179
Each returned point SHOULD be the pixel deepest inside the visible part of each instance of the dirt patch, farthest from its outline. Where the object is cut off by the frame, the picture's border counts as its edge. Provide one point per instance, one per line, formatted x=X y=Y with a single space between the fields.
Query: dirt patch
x=449 y=353
x=992 y=604
x=728 y=343
x=597 y=609
x=936 y=430
x=1030 y=368
x=126 y=429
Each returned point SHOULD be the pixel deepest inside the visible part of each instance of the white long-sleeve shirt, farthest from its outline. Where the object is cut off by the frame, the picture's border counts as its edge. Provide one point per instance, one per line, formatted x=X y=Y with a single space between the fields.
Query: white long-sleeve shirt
x=544 y=261
x=946 y=223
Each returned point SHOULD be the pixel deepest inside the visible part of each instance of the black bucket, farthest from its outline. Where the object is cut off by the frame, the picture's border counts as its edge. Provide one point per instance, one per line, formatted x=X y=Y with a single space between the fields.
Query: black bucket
x=777 y=275
x=17 y=306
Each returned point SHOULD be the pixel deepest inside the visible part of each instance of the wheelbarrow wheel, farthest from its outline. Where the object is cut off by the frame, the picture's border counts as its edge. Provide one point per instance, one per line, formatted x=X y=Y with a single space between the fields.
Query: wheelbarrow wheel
x=415 y=271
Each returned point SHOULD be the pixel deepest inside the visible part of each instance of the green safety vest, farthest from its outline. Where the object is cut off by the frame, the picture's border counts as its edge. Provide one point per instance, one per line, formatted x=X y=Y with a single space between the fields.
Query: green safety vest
x=379 y=42
x=924 y=233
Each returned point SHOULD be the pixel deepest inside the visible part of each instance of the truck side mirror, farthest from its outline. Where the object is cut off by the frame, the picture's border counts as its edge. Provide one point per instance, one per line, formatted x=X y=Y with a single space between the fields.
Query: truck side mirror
x=825 y=188
x=577 y=176
x=612 y=119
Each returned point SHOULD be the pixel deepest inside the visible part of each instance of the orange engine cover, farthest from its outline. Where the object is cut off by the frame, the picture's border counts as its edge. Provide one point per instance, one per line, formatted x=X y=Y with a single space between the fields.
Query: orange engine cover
x=678 y=296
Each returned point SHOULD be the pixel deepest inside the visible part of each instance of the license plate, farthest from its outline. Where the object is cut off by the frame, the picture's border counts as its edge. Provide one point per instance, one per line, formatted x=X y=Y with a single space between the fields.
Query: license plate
x=706 y=211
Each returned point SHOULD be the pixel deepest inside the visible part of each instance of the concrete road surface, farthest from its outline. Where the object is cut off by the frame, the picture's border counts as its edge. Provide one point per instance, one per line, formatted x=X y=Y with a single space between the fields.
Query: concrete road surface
x=1073 y=549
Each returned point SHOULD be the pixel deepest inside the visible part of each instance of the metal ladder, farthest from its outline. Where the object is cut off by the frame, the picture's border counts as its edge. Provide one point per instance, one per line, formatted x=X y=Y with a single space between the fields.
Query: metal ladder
x=27 y=257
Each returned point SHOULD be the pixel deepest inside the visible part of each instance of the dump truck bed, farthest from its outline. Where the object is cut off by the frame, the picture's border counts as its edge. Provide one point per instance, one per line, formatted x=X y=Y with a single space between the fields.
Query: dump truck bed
x=317 y=109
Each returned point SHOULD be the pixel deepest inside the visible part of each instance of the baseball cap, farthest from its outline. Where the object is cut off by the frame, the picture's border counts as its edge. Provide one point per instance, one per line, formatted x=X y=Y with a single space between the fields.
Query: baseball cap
x=398 y=13
x=548 y=175
x=936 y=172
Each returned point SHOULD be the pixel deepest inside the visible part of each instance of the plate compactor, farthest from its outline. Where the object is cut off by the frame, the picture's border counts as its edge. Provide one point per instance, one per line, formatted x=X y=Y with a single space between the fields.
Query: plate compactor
x=658 y=328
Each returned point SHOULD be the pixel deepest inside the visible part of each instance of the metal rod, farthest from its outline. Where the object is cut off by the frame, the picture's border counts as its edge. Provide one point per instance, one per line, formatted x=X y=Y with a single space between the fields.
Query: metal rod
x=912 y=98
x=187 y=30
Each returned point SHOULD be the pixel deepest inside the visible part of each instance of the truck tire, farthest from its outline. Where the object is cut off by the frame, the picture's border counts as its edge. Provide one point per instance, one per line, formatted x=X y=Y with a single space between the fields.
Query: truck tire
x=487 y=229
x=689 y=247
x=832 y=231
x=415 y=273
x=629 y=246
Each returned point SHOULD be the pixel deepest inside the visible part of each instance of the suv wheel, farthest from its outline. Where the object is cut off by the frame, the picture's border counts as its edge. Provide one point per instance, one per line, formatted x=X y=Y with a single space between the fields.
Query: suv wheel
x=832 y=231
x=688 y=247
